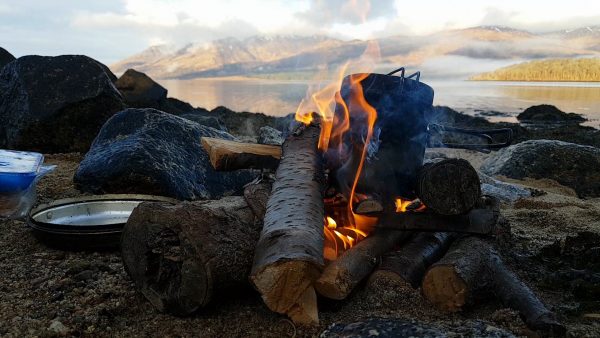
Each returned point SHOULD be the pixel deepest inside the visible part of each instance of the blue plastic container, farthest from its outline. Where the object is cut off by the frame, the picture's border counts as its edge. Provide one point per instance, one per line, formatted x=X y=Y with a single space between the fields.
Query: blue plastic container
x=18 y=170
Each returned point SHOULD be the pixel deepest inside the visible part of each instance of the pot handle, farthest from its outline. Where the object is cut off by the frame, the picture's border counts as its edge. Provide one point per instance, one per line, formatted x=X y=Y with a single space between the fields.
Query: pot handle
x=486 y=135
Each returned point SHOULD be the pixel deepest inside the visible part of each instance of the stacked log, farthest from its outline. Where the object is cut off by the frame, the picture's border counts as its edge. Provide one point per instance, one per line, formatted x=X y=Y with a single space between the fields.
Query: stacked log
x=179 y=255
x=473 y=268
x=289 y=254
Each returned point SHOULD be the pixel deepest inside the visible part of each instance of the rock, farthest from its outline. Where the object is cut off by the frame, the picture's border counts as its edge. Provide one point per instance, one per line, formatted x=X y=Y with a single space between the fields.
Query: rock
x=268 y=135
x=5 y=57
x=244 y=123
x=84 y=275
x=140 y=90
x=401 y=328
x=546 y=113
x=151 y=152
x=505 y=192
x=58 y=328
x=569 y=164
x=55 y=104
x=209 y=121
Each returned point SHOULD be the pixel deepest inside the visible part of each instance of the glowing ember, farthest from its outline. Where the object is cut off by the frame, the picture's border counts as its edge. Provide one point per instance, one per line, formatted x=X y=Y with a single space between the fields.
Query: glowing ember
x=402 y=204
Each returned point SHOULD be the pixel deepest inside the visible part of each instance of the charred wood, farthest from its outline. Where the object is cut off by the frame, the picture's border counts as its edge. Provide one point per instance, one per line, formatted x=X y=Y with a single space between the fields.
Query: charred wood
x=481 y=220
x=448 y=186
x=409 y=263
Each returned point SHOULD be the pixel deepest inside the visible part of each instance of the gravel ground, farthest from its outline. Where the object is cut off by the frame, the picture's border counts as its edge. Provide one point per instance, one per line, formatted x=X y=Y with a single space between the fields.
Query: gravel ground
x=46 y=292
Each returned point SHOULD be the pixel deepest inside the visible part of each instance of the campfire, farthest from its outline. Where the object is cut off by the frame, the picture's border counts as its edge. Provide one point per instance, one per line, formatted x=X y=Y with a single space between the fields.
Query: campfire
x=351 y=195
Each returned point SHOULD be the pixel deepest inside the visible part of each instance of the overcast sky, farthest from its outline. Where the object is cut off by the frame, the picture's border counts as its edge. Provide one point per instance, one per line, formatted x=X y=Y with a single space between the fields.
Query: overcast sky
x=110 y=30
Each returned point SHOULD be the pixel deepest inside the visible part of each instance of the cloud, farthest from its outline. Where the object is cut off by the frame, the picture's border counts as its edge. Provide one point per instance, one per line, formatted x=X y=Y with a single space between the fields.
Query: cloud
x=327 y=13
x=541 y=23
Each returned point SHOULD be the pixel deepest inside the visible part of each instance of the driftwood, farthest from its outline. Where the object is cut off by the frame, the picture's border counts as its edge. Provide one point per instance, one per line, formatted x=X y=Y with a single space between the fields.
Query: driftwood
x=481 y=220
x=409 y=263
x=179 y=255
x=289 y=254
x=472 y=268
x=228 y=155
x=341 y=276
x=448 y=186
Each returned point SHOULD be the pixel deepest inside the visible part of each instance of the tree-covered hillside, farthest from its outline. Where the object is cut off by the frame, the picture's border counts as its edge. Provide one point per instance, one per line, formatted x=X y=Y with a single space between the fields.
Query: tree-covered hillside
x=547 y=70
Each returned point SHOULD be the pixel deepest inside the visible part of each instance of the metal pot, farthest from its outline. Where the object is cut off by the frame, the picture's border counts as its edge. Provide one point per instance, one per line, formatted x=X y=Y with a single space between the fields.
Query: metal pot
x=402 y=131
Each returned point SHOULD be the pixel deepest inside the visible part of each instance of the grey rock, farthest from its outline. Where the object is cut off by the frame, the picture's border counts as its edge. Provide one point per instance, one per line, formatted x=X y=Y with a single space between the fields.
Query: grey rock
x=152 y=152
x=55 y=104
x=5 y=57
x=505 y=192
x=268 y=135
x=58 y=328
x=572 y=165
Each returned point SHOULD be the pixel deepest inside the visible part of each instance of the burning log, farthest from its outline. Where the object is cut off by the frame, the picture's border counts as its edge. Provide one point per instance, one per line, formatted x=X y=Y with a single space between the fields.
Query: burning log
x=341 y=276
x=289 y=254
x=180 y=255
x=368 y=206
x=481 y=220
x=228 y=155
x=408 y=264
x=471 y=268
x=448 y=186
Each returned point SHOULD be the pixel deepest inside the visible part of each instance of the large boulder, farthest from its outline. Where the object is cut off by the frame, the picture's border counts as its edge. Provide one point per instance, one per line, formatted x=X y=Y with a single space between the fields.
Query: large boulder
x=545 y=113
x=572 y=165
x=5 y=57
x=139 y=89
x=152 y=152
x=55 y=104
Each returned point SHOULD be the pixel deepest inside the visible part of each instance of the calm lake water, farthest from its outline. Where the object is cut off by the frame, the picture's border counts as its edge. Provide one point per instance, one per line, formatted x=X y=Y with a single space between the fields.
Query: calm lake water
x=275 y=97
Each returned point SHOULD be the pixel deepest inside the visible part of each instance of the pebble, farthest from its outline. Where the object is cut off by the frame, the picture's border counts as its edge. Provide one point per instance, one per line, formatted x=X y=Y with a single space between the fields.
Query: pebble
x=58 y=328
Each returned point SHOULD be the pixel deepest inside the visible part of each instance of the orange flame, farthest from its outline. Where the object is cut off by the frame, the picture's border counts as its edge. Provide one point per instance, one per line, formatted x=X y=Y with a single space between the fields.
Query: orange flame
x=332 y=130
x=323 y=101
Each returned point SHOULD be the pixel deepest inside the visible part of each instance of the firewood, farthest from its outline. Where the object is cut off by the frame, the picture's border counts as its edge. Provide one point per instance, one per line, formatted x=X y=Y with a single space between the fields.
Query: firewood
x=368 y=206
x=409 y=263
x=179 y=255
x=472 y=268
x=289 y=254
x=481 y=220
x=341 y=276
x=448 y=186
x=228 y=155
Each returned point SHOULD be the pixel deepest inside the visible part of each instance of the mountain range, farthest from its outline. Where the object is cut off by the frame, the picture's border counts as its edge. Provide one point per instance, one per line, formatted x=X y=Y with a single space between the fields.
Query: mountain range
x=446 y=53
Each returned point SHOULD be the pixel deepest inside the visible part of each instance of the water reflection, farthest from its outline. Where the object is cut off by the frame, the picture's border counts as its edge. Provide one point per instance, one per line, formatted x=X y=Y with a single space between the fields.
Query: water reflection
x=280 y=98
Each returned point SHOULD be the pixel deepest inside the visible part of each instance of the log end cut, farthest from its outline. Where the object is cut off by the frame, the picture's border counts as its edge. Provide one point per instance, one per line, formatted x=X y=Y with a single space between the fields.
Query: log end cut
x=160 y=263
x=334 y=283
x=445 y=288
x=284 y=286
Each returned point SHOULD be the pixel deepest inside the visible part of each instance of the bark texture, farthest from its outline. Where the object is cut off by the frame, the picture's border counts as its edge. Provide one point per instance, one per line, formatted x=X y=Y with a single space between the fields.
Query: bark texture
x=410 y=262
x=341 y=276
x=179 y=255
x=472 y=268
x=289 y=254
